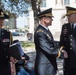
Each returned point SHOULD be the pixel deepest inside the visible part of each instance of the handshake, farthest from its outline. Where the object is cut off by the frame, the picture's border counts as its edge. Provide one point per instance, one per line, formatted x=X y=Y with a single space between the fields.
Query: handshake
x=63 y=53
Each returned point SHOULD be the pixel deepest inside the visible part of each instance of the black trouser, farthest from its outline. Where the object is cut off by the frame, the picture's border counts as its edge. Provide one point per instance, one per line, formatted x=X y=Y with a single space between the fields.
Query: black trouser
x=69 y=71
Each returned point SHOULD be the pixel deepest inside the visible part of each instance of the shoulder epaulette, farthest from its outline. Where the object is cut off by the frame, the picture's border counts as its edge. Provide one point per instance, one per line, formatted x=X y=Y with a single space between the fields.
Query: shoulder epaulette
x=40 y=31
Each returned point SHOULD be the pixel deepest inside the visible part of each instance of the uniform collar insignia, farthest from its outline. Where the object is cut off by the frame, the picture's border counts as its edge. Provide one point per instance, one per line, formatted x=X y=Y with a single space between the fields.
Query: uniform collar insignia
x=65 y=31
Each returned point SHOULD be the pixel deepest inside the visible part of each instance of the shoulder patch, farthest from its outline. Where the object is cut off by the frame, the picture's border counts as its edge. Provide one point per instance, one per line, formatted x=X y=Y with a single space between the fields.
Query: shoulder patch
x=40 y=31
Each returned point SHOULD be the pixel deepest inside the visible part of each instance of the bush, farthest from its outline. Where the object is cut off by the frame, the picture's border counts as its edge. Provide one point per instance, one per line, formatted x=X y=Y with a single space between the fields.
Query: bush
x=27 y=44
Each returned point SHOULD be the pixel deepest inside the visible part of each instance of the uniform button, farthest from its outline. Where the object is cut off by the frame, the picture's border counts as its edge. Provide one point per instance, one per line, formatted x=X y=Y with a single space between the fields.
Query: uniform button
x=6 y=56
x=70 y=39
x=70 y=48
x=70 y=43
x=2 y=33
x=71 y=35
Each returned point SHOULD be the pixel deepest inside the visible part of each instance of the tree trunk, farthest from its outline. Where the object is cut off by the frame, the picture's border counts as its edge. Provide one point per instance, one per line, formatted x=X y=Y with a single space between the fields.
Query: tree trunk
x=36 y=9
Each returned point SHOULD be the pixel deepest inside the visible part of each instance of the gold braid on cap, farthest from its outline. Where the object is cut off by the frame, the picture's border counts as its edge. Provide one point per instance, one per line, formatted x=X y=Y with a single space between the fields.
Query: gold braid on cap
x=2 y=14
x=71 y=12
x=48 y=14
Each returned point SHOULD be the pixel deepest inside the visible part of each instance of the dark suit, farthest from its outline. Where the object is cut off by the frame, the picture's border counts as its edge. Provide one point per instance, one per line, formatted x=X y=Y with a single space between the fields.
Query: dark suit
x=68 y=40
x=46 y=53
x=4 y=58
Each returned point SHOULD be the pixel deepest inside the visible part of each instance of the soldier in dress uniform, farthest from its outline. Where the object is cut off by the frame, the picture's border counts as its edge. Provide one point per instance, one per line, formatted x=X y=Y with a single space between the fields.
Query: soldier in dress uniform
x=5 y=41
x=68 y=40
x=46 y=52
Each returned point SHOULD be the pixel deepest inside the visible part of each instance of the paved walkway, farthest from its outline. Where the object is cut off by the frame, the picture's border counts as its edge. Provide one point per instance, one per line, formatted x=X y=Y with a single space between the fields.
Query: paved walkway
x=60 y=67
x=31 y=53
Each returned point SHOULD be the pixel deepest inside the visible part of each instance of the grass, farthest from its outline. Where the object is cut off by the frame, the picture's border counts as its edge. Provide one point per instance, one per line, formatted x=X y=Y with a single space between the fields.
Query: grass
x=28 y=44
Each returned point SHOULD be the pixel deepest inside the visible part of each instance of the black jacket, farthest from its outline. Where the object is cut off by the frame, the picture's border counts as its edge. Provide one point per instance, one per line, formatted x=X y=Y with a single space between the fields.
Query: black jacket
x=68 y=40
x=4 y=57
x=46 y=52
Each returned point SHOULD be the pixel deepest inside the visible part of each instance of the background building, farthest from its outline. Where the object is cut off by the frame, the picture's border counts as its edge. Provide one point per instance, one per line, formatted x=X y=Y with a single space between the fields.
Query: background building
x=58 y=12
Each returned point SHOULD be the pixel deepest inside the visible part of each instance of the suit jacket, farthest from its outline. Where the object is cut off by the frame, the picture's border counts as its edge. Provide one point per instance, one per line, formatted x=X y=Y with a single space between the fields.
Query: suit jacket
x=68 y=40
x=4 y=58
x=46 y=52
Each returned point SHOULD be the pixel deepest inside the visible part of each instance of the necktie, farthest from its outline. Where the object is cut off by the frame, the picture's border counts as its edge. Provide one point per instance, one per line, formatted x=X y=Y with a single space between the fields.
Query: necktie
x=72 y=26
x=50 y=33
x=48 y=30
x=0 y=32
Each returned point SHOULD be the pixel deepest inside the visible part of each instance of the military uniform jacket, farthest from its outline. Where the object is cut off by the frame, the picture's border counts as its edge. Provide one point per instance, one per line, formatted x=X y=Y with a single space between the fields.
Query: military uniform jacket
x=68 y=40
x=4 y=58
x=46 y=53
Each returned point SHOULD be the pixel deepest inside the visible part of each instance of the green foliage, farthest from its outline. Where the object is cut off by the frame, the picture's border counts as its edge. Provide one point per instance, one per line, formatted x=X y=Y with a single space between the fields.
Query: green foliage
x=20 y=7
x=28 y=44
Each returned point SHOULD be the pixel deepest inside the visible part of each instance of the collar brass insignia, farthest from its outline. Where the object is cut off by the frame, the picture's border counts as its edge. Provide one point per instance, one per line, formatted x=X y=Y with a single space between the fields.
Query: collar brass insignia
x=65 y=31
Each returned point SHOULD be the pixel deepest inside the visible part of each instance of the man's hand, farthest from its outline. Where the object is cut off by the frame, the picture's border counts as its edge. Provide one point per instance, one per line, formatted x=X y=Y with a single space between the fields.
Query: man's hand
x=13 y=60
x=65 y=54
